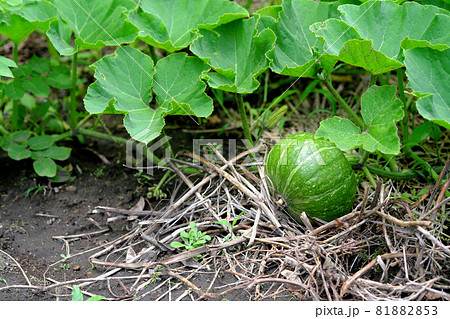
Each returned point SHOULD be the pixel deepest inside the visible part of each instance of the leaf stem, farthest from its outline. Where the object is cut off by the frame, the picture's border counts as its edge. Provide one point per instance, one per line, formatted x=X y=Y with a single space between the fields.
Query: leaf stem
x=73 y=94
x=373 y=80
x=153 y=54
x=356 y=119
x=401 y=93
x=115 y=139
x=245 y=126
x=369 y=176
x=15 y=110
x=162 y=181
x=425 y=165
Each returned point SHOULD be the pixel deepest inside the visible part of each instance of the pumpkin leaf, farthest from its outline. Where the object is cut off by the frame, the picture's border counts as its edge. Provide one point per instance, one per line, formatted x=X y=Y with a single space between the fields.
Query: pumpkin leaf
x=124 y=82
x=98 y=23
x=380 y=110
x=40 y=13
x=171 y=25
x=178 y=86
x=372 y=35
x=297 y=47
x=237 y=53
x=16 y=28
x=45 y=15
x=428 y=71
x=60 y=34
x=5 y=64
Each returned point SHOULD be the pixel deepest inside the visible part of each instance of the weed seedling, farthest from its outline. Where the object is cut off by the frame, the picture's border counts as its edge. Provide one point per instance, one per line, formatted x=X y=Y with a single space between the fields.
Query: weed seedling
x=230 y=225
x=77 y=295
x=193 y=239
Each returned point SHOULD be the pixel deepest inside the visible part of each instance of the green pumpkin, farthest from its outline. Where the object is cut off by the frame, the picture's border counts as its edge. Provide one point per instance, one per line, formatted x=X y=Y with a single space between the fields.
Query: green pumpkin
x=312 y=175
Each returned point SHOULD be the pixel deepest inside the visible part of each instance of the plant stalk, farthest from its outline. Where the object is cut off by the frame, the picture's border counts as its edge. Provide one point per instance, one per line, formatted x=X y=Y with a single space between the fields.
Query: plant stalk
x=15 y=110
x=425 y=165
x=115 y=139
x=245 y=126
x=356 y=119
x=401 y=93
x=73 y=94
x=369 y=176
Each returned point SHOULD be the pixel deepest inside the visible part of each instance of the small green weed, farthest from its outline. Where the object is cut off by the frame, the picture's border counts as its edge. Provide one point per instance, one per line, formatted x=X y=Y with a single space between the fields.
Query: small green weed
x=65 y=265
x=99 y=172
x=77 y=295
x=35 y=189
x=193 y=239
x=230 y=225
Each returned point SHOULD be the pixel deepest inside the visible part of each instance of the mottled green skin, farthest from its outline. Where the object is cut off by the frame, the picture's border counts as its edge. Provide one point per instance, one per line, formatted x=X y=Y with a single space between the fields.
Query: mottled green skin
x=312 y=175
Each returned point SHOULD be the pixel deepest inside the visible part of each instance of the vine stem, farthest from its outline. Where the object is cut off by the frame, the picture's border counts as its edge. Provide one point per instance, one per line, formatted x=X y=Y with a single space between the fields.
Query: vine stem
x=356 y=119
x=401 y=93
x=245 y=126
x=425 y=165
x=369 y=176
x=73 y=94
x=115 y=139
x=15 y=111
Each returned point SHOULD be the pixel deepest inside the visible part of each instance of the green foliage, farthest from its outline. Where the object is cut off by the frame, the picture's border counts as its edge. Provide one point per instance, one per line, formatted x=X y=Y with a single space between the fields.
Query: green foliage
x=171 y=25
x=428 y=71
x=41 y=149
x=5 y=65
x=378 y=52
x=226 y=49
x=296 y=48
x=381 y=110
x=98 y=23
x=238 y=54
x=124 y=84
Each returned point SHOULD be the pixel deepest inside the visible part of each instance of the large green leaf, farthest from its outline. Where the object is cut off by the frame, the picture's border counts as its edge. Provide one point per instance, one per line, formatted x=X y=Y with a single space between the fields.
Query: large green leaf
x=171 y=25
x=44 y=15
x=60 y=34
x=428 y=72
x=381 y=110
x=40 y=13
x=124 y=81
x=297 y=47
x=98 y=23
x=178 y=87
x=16 y=29
x=372 y=35
x=5 y=64
x=238 y=54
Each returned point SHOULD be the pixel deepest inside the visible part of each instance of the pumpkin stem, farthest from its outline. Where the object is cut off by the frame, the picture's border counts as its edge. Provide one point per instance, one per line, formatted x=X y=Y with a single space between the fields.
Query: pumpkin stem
x=342 y=103
x=245 y=126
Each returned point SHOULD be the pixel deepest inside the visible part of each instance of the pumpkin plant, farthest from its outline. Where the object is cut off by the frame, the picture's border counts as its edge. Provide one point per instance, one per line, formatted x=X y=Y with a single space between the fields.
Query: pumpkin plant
x=351 y=35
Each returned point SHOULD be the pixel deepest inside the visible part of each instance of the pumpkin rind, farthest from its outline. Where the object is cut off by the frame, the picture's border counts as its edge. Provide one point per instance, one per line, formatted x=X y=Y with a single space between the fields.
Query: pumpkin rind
x=312 y=175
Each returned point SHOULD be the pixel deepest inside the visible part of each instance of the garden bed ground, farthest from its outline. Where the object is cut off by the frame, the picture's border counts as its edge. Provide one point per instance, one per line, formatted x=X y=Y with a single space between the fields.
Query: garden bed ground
x=359 y=258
